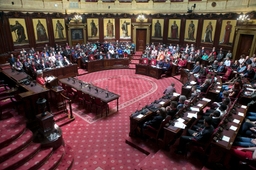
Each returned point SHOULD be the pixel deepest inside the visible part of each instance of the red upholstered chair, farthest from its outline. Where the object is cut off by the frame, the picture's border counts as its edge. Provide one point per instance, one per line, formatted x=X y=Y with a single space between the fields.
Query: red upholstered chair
x=153 y=62
x=100 y=106
x=227 y=74
x=91 y=57
x=144 y=61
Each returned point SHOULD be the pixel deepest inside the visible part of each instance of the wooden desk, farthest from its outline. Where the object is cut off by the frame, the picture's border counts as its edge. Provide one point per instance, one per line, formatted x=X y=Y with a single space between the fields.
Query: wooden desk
x=62 y=72
x=98 y=65
x=174 y=69
x=16 y=76
x=93 y=91
x=149 y=71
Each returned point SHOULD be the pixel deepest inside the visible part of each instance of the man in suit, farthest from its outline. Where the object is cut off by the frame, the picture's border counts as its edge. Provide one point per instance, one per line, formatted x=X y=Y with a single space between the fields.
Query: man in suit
x=196 y=68
x=12 y=60
x=221 y=68
x=172 y=109
x=157 y=119
x=202 y=136
x=181 y=102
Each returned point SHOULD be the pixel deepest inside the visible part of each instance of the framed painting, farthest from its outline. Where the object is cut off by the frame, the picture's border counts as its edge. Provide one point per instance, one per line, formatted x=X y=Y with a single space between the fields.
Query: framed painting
x=18 y=31
x=157 y=28
x=59 y=29
x=191 y=30
x=227 y=32
x=109 y=28
x=40 y=29
x=174 y=29
x=93 y=28
x=125 y=28
x=208 y=31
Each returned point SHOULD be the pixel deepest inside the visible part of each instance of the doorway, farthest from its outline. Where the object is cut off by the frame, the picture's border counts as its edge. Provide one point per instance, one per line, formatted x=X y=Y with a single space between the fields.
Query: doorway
x=141 y=35
x=244 y=45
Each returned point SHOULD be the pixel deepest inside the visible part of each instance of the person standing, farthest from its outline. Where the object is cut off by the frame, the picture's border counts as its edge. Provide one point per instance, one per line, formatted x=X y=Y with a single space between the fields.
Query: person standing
x=228 y=30
x=19 y=31
x=110 y=29
x=158 y=29
x=174 y=30
x=191 y=31
x=94 y=29
x=208 y=33
x=41 y=32
x=59 y=29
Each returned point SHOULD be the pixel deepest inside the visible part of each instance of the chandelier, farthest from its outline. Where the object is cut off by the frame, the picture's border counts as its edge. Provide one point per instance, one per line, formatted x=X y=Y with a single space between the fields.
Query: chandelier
x=77 y=17
x=141 y=17
x=243 y=18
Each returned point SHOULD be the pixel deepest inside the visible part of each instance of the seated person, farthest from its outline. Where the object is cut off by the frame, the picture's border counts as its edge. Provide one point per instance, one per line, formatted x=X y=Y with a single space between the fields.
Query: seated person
x=251 y=116
x=215 y=66
x=182 y=62
x=221 y=68
x=66 y=61
x=235 y=65
x=222 y=109
x=196 y=68
x=172 y=109
x=215 y=116
x=227 y=62
x=40 y=79
x=207 y=82
x=202 y=136
x=156 y=121
x=170 y=89
x=249 y=73
x=241 y=68
x=181 y=102
x=205 y=57
x=166 y=65
x=244 y=141
x=18 y=65
x=244 y=153
x=248 y=129
x=58 y=62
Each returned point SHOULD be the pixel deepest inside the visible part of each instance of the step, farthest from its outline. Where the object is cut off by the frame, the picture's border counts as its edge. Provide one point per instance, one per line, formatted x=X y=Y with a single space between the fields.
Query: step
x=16 y=146
x=67 y=160
x=38 y=160
x=64 y=121
x=54 y=159
x=21 y=157
x=59 y=117
x=11 y=129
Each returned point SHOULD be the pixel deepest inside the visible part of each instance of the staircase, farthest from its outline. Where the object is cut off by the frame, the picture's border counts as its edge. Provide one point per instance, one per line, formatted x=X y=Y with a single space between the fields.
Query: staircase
x=18 y=151
x=135 y=59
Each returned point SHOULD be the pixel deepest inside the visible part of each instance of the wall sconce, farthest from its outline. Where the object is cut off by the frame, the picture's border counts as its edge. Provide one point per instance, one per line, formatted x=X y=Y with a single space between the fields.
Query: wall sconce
x=244 y=18
x=141 y=17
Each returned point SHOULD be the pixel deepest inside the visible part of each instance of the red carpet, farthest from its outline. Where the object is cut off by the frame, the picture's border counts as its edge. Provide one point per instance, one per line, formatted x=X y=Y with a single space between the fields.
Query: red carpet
x=99 y=143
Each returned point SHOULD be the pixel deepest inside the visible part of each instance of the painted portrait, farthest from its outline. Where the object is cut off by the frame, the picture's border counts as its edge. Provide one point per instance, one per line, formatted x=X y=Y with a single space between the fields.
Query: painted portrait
x=157 y=28
x=18 y=31
x=109 y=28
x=125 y=28
x=227 y=32
x=191 y=30
x=93 y=28
x=208 y=31
x=174 y=29
x=59 y=29
x=40 y=29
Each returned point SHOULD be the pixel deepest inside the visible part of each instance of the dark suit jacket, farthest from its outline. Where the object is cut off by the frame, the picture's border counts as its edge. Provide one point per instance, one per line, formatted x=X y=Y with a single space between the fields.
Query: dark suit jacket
x=172 y=113
x=196 y=69
x=204 y=134
x=156 y=121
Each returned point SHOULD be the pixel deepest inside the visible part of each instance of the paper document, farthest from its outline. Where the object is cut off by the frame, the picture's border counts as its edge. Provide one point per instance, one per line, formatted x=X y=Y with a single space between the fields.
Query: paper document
x=217 y=91
x=207 y=100
x=181 y=120
x=190 y=115
x=218 y=87
x=218 y=82
x=180 y=125
x=225 y=138
x=236 y=121
x=176 y=94
x=189 y=87
x=234 y=128
x=196 y=109
x=139 y=116
x=162 y=103
x=240 y=114
x=244 y=107
x=199 y=105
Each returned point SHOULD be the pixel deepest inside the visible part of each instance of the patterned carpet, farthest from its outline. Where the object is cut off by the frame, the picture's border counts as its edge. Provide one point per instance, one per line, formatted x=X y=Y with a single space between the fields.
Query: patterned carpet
x=99 y=143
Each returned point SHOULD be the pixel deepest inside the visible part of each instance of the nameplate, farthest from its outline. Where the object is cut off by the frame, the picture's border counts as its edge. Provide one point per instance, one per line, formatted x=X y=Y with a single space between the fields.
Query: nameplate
x=236 y=121
x=218 y=87
x=234 y=128
x=205 y=99
x=240 y=114
x=225 y=138
x=217 y=91
x=199 y=105
x=196 y=109
x=244 y=107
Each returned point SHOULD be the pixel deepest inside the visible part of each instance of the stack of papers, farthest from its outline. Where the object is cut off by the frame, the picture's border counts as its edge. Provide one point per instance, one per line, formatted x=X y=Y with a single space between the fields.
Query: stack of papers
x=179 y=125
x=162 y=103
x=236 y=121
x=181 y=120
x=190 y=115
x=189 y=87
x=139 y=116
x=196 y=109
x=205 y=99
x=175 y=94
x=199 y=105
x=218 y=87
x=217 y=91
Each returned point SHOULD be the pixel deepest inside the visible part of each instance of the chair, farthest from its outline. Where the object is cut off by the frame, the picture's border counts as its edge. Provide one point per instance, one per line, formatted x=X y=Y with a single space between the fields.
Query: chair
x=99 y=105
x=227 y=74
x=80 y=97
x=156 y=133
x=237 y=96
x=88 y=100
x=153 y=62
x=144 y=61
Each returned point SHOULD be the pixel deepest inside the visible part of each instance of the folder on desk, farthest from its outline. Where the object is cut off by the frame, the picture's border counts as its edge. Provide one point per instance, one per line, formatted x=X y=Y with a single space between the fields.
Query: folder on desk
x=175 y=94
x=191 y=115
x=207 y=100
x=179 y=125
x=139 y=116
x=196 y=109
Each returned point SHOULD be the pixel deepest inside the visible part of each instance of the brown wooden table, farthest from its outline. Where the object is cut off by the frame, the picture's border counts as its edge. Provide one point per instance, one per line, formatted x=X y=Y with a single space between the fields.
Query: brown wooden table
x=94 y=91
x=16 y=76
x=62 y=72
x=149 y=71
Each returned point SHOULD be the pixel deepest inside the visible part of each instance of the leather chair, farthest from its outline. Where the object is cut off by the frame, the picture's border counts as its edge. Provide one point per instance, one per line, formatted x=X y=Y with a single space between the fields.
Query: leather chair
x=100 y=106
x=145 y=61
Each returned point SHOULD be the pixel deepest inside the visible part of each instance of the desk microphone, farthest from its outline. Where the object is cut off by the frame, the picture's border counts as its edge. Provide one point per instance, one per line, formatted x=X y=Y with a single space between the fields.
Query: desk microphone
x=138 y=107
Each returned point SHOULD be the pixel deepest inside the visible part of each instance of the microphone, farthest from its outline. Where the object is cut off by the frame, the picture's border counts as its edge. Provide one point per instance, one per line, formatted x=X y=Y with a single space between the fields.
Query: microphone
x=137 y=107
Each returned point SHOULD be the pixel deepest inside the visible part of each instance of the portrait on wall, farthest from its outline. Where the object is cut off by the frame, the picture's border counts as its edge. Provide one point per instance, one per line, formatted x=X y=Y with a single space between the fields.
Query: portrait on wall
x=173 y=29
x=125 y=28
x=208 y=31
x=109 y=28
x=59 y=29
x=157 y=28
x=93 y=25
x=18 y=31
x=40 y=29
x=227 y=32
x=77 y=34
x=191 y=30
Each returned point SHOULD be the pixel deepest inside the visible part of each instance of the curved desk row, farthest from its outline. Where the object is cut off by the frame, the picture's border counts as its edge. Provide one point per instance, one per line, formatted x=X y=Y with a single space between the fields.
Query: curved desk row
x=98 y=65
x=62 y=72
